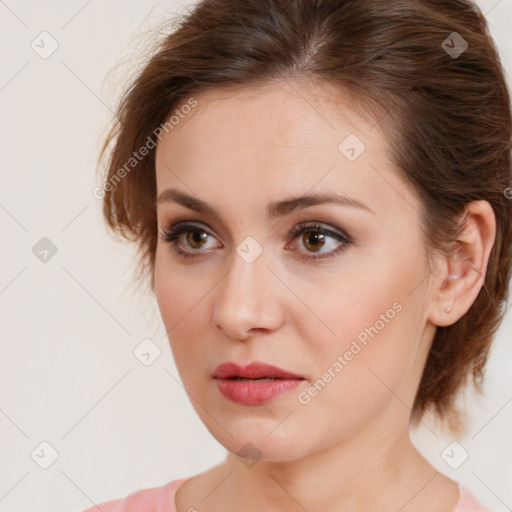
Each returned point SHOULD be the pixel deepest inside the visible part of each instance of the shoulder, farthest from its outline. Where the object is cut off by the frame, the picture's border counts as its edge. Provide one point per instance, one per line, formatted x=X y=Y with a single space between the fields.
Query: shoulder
x=468 y=502
x=156 y=499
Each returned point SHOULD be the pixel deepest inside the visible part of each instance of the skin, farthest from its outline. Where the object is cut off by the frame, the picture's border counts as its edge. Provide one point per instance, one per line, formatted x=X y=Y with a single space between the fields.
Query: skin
x=349 y=447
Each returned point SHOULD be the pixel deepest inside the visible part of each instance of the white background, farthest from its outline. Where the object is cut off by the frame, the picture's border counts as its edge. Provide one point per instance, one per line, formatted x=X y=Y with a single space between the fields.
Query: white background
x=69 y=326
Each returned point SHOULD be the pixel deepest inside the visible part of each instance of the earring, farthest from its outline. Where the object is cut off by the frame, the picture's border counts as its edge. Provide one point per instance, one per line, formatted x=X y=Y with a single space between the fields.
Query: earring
x=449 y=309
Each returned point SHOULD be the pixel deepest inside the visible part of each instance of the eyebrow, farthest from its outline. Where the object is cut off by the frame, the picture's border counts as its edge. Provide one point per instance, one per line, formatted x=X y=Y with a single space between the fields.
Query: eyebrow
x=274 y=210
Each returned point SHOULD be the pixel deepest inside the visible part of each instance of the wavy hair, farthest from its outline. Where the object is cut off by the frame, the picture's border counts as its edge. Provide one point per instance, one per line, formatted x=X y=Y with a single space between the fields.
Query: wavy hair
x=427 y=70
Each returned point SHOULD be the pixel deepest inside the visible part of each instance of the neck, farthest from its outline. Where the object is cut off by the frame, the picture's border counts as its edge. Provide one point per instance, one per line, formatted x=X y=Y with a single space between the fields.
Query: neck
x=376 y=469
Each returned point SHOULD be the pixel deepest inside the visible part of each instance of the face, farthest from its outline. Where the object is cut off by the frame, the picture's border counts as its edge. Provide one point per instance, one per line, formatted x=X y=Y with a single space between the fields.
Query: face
x=298 y=246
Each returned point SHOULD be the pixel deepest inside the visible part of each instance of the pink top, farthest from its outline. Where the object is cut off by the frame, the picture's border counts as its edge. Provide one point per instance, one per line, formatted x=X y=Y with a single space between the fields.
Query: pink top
x=161 y=499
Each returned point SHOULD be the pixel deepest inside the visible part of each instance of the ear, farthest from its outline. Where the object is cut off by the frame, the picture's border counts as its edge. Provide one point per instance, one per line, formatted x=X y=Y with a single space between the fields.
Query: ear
x=462 y=270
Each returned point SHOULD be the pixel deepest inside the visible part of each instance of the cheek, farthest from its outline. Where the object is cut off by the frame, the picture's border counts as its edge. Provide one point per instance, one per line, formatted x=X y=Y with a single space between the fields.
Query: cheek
x=168 y=287
x=376 y=322
x=178 y=288
x=180 y=298
x=375 y=296
x=353 y=306
x=359 y=376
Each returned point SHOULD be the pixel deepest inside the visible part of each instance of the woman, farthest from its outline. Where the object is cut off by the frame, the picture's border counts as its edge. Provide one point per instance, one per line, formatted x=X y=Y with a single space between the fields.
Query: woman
x=318 y=189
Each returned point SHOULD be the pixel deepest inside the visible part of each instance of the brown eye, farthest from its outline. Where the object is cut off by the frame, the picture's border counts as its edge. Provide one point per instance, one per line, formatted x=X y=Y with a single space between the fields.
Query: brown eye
x=196 y=239
x=313 y=240
x=189 y=240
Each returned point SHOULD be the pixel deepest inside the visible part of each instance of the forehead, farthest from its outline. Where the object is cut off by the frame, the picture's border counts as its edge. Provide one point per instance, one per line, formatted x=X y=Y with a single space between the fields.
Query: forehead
x=278 y=114
x=282 y=138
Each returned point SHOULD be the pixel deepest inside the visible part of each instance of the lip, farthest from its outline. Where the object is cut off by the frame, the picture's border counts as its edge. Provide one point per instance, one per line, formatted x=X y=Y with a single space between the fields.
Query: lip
x=255 y=370
x=252 y=391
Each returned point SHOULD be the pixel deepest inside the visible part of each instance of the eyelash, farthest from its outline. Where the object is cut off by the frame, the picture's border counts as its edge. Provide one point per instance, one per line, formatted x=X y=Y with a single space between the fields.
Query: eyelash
x=170 y=235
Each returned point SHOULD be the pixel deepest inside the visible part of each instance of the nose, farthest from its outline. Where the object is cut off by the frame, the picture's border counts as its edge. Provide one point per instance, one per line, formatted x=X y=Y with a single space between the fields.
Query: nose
x=247 y=299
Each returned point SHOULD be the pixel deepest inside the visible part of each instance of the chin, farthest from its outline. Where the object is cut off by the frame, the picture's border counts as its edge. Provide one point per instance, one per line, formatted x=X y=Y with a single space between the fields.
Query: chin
x=253 y=443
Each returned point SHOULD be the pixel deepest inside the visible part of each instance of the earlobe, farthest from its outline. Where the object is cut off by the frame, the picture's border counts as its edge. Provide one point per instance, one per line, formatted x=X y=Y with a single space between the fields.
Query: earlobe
x=448 y=309
x=463 y=267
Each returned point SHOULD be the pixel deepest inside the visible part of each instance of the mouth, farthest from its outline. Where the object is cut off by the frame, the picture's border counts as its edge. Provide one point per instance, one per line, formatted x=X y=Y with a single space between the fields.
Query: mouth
x=255 y=371
x=262 y=379
x=255 y=383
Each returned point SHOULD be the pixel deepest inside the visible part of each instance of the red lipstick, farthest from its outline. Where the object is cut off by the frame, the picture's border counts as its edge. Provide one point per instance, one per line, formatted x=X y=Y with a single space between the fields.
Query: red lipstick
x=255 y=383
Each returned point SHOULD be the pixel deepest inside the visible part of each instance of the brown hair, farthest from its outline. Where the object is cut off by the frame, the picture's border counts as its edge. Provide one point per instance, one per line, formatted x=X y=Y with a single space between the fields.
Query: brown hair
x=447 y=117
